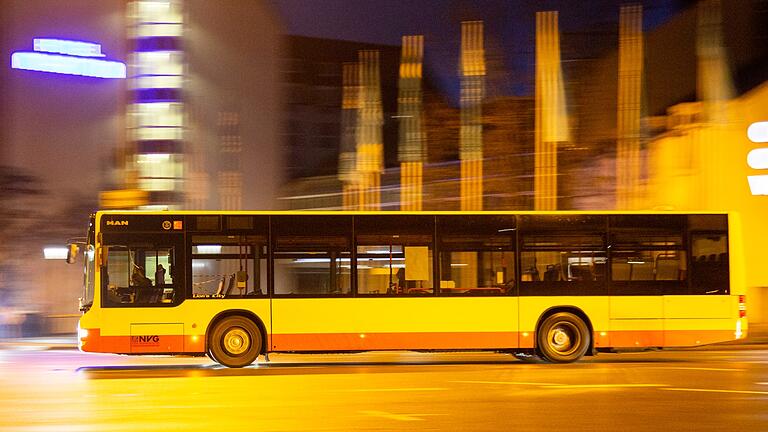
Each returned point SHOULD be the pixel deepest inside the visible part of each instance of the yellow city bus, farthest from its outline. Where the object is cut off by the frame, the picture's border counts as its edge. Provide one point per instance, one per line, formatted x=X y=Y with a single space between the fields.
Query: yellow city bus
x=557 y=285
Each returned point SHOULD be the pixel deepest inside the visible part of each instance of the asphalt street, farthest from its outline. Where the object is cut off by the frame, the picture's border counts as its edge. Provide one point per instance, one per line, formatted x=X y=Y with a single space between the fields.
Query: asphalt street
x=714 y=388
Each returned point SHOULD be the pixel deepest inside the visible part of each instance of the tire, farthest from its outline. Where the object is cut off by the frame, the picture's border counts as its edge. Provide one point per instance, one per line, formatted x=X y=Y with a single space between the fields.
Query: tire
x=562 y=338
x=235 y=342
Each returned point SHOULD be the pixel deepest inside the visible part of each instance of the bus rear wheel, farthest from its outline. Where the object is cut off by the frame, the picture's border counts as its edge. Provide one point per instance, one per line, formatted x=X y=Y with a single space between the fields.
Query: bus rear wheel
x=562 y=338
x=235 y=342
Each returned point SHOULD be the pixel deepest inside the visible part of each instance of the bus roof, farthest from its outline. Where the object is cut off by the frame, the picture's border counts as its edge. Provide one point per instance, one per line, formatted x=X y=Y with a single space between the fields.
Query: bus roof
x=397 y=212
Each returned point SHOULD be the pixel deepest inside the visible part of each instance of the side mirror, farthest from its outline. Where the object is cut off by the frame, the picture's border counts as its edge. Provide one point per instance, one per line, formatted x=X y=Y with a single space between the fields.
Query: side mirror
x=102 y=252
x=72 y=251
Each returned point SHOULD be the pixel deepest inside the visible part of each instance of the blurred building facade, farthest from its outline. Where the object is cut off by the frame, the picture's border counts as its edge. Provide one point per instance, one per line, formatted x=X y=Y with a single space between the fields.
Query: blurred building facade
x=154 y=161
x=641 y=133
x=314 y=130
x=210 y=69
x=256 y=122
x=704 y=82
x=58 y=134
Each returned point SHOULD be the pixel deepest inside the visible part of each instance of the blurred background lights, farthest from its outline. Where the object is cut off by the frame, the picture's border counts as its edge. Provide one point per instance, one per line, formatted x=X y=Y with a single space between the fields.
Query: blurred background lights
x=67 y=47
x=758 y=158
x=758 y=185
x=67 y=57
x=208 y=249
x=758 y=132
x=55 y=253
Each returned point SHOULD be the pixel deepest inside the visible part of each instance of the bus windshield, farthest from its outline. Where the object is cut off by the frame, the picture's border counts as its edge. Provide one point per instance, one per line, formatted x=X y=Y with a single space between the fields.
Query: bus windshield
x=89 y=282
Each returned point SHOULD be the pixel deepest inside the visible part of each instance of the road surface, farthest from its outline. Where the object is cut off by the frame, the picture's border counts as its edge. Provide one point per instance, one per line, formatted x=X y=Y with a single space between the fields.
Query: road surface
x=64 y=390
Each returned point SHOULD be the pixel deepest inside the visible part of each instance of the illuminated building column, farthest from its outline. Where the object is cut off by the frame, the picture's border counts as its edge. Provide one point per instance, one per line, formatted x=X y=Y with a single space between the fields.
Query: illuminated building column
x=714 y=85
x=231 y=149
x=349 y=111
x=411 y=150
x=714 y=89
x=156 y=114
x=551 y=121
x=370 y=148
x=471 y=129
x=629 y=105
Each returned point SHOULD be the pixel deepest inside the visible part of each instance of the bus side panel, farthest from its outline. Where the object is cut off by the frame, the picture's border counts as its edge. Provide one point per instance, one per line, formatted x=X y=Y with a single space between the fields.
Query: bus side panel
x=737 y=270
x=381 y=323
x=594 y=307
x=697 y=306
x=157 y=338
x=736 y=255
x=179 y=329
x=636 y=321
x=700 y=319
x=207 y=310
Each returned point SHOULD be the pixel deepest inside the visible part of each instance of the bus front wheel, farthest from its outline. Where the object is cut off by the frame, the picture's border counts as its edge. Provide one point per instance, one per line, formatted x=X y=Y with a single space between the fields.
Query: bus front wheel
x=562 y=338
x=235 y=342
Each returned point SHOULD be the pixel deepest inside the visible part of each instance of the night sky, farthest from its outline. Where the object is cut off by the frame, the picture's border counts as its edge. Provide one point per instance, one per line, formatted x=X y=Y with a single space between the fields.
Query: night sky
x=509 y=27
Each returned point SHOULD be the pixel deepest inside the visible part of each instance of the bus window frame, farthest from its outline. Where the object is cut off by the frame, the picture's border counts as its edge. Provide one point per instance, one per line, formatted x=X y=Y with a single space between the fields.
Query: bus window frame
x=409 y=228
x=696 y=232
x=238 y=237
x=595 y=287
x=649 y=287
x=145 y=240
x=274 y=253
x=460 y=225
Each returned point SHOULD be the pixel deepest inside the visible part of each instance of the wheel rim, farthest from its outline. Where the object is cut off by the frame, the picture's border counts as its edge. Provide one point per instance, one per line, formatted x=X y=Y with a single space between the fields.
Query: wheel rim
x=236 y=341
x=564 y=338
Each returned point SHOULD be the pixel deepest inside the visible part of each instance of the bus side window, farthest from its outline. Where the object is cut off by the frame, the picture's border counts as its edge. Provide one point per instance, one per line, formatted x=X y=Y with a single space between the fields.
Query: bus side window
x=311 y=255
x=138 y=276
x=228 y=266
x=394 y=269
x=710 y=273
x=562 y=263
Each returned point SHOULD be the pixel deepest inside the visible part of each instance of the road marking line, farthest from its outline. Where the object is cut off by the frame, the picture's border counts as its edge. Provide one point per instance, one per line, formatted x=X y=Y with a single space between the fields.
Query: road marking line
x=506 y=383
x=575 y=386
x=396 y=389
x=700 y=368
x=716 y=390
x=400 y=417
x=563 y=386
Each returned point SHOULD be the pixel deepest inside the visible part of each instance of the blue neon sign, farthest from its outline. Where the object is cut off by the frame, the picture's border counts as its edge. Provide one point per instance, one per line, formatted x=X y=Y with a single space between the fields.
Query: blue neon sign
x=67 y=57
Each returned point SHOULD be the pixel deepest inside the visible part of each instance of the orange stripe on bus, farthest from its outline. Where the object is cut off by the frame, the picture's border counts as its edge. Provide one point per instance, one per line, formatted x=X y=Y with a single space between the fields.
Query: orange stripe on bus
x=696 y=337
x=635 y=338
x=394 y=341
x=123 y=344
x=665 y=338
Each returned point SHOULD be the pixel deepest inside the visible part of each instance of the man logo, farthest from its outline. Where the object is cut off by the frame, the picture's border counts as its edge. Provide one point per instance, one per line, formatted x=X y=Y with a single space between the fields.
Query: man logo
x=166 y=225
x=117 y=223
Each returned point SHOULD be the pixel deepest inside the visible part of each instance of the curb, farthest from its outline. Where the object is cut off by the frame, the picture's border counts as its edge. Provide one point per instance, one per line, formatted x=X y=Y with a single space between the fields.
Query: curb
x=39 y=344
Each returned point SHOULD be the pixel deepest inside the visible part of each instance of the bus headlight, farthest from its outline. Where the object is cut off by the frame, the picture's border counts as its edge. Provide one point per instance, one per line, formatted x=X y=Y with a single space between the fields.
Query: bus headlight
x=82 y=333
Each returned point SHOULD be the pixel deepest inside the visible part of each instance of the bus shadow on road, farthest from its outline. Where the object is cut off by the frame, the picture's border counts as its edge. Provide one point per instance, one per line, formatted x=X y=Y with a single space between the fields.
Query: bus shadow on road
x=336 y=367
x=261 y=369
